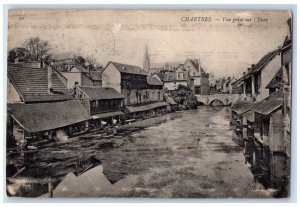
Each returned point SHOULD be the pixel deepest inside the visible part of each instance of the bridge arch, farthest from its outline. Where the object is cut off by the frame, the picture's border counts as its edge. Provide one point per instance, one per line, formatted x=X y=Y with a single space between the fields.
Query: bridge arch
x=216 y=102
x=200 y=103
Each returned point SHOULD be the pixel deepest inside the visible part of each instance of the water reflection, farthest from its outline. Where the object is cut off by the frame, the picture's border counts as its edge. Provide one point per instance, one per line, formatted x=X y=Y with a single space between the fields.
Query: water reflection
x=270 y=169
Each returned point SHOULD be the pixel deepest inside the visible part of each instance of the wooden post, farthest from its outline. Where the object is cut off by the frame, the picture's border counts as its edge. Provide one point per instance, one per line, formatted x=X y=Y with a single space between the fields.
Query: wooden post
x=50 y=190
x=253 y=85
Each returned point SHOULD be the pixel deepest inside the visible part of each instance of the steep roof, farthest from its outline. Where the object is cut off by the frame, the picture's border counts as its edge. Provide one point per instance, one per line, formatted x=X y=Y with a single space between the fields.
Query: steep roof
x=264 y=60
x=269 y=104
x=276 y=81
x=124 y=68
x=32 y=84
x=45 y=116
x=99 y=93
x=196 y=65
x=153 y=81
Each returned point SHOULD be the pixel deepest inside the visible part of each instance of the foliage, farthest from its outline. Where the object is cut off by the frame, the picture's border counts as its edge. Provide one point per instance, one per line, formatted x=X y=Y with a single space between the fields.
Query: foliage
x=18 y=53
x=86 y=62
x=184 y=96
x=38 y=49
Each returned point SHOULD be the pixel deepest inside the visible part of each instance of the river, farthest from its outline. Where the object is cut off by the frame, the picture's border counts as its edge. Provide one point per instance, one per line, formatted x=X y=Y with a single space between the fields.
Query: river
x=187 y=154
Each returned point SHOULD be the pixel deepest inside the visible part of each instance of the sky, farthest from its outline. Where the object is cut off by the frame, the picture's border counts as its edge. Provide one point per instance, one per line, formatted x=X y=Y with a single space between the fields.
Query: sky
x=224 y=47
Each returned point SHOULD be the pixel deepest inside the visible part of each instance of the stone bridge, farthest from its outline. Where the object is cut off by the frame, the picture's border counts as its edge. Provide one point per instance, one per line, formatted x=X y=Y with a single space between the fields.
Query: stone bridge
x=218 y=99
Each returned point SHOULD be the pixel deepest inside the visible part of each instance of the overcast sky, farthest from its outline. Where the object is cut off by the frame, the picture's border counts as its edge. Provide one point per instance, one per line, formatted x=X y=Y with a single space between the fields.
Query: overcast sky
x=224 y=48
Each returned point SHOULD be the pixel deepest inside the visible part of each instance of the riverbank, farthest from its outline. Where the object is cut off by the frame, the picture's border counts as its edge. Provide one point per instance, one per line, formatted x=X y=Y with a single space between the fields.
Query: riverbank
x=185 y=154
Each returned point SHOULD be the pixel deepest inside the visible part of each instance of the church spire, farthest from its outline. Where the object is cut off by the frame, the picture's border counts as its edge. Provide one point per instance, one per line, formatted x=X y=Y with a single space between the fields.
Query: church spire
x=146 y=64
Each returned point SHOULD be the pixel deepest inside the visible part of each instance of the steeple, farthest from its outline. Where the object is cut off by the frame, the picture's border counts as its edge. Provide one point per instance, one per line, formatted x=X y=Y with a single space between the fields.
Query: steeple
x=146 y=64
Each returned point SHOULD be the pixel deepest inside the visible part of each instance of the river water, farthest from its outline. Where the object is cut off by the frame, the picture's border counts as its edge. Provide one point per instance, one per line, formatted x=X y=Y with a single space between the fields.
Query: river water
x=187 y=154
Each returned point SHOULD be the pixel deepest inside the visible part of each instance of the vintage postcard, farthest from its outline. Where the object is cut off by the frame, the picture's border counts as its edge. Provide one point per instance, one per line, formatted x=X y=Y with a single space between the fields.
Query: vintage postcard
x=149 y=103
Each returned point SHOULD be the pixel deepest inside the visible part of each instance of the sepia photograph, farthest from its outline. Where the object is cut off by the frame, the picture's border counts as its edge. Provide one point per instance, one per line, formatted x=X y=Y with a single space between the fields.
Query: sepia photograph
x=148 y=103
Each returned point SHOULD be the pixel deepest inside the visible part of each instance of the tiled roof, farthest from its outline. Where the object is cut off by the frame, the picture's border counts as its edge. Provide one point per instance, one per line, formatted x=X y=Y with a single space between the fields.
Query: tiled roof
x=242 y=106
x=99 y=93
x=32 y=84
x=37 y=117
x=269 y=104
x=276 y=81
x=124 y=68
x=153 y=81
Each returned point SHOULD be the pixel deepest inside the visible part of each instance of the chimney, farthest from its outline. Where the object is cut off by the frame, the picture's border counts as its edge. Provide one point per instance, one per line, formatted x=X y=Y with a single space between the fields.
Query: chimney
x=248 y=70
x=199 y=66
x=42 y=63
x=49 y=77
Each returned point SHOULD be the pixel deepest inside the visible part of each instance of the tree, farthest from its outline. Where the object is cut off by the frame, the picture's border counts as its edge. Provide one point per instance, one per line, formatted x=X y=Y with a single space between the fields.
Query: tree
x=19 y=53
x=80 y=60
x=90 y=62
x=38 y=49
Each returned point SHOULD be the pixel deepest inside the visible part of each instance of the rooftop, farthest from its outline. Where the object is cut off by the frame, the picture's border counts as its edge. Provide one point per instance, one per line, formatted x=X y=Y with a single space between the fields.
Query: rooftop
x=45 y=116
x=99 y=93
x=269 y=104
x=124 y=68
x=32 y=84
x=242 y=106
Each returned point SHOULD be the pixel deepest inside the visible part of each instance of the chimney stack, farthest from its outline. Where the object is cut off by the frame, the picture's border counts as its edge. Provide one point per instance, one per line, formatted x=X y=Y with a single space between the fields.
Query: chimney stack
x=49 y=77
x=42 y=63
x=199 y=66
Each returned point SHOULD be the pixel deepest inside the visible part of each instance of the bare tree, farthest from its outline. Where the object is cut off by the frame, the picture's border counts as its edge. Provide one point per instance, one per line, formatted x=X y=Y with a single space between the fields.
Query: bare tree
x=91 y=61
x=37 y=48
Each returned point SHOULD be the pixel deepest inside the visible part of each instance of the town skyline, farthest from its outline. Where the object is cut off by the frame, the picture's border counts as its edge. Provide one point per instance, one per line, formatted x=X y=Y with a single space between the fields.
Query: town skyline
x=122 y=38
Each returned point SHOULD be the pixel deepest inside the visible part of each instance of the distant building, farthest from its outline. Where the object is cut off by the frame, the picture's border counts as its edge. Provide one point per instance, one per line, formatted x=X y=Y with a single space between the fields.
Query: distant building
x=201 y=78
x=78 y=75
x=172 y=79
x=142 y=93
x=64 y=61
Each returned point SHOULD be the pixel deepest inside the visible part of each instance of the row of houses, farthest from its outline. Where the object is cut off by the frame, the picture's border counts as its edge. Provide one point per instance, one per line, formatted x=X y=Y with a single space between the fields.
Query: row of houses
x=59 y=101
x=261 y=122
x=190 y=74
x=224 y=85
